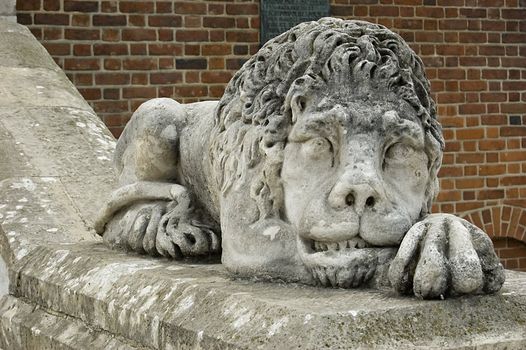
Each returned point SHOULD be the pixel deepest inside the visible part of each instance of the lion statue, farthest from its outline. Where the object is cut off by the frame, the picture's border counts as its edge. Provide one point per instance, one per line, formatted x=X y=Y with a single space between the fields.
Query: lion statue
x=318 y=165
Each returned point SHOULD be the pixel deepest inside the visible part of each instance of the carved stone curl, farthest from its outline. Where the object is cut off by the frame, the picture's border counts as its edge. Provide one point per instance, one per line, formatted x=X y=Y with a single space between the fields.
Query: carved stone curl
x=319 y=165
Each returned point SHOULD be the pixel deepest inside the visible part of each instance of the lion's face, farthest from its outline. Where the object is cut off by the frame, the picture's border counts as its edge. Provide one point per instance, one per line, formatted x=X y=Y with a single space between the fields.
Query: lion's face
x=354 y=175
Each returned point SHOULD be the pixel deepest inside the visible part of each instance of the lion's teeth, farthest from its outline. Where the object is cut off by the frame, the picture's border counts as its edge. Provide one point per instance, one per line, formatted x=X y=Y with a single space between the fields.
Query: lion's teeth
x=361 y=244
x=332 y=246
x=342 y=245
x=323 y=246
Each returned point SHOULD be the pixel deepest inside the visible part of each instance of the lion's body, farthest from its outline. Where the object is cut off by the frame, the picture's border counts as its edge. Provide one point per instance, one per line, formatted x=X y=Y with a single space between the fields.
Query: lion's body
x=318 y=162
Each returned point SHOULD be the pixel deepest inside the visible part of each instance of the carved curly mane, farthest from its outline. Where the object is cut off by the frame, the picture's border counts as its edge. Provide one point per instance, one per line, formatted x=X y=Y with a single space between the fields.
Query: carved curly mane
x=253 y=118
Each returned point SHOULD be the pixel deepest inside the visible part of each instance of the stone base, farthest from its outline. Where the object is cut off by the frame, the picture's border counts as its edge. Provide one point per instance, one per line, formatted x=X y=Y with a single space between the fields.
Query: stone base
x=159 y=304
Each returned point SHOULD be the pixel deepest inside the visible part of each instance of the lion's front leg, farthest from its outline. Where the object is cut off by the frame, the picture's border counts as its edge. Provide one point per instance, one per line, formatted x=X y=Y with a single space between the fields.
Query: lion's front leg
x=157 y=219
x=445 y=255
x=150 y=213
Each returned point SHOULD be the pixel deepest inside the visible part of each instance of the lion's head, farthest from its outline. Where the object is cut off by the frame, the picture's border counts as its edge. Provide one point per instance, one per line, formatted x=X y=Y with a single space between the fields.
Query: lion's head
x=335 y=118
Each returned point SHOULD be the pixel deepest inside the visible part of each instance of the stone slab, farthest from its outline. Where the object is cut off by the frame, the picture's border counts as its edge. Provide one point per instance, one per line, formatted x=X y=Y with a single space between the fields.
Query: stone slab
x=165 y=305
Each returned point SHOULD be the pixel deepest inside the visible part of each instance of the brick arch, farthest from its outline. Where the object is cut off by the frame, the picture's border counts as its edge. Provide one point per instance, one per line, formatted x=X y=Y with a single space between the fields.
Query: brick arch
x=500 y=221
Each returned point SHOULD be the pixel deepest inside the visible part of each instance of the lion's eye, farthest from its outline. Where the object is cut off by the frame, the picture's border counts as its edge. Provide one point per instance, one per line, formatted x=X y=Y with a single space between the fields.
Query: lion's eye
x=399 y=151
x=318 y=147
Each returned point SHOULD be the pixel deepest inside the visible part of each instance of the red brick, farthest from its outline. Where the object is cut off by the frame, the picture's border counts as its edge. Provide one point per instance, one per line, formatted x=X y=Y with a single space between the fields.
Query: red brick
x=109 y=6
x=216 y=77
x=139 y=63
x=446 y=171
x=219 y=22
x=216 y=49
x=473 y=85
x=82 y=34
x=82 y=50
x=81 y=6
x=191 y=35
x=472 y=108
x=189 y=8
x=519 y=14
x=109 y=34
x=191 y=90
x=242 y=36
x=28 y=5
x=473 y=12
x=469 y=183
x=54 y=19
x=139 y=92
x=110 y=49
x=513 y=131
x=109 y=20
x=80 y=20
x=383 y=11
x=467 y=37
x=166 y=78
x=136 y=21
x=110 y=106
x=427 y=11
x=82 y=64
x=136 y=6
x=163 y=7
x=165 y=21
x=112 y=79
x=58 y=49
x=196 y=63
x=242 y=9
x=449 y=196
x=90 y=94
x=138 y=34
x=165 y=49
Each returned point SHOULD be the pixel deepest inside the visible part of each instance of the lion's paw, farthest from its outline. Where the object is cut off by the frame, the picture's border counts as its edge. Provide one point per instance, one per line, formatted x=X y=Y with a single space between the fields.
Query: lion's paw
x=161 y=228
x=445 y=255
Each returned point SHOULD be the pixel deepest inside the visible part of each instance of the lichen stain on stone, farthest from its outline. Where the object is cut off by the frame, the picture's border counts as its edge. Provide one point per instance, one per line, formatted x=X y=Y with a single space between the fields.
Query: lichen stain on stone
x=185 y=304
x=25 y=183
x=276 y=326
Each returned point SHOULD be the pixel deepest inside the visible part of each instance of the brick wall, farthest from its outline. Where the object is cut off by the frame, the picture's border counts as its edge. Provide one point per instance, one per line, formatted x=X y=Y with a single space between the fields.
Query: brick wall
x=120 y=53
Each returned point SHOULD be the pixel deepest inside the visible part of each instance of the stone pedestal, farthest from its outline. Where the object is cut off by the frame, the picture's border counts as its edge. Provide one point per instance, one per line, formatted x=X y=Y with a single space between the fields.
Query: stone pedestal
x=68 y=291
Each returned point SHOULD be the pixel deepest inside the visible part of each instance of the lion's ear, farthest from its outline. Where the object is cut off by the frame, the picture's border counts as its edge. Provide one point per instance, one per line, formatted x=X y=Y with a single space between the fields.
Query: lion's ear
x=298 y=103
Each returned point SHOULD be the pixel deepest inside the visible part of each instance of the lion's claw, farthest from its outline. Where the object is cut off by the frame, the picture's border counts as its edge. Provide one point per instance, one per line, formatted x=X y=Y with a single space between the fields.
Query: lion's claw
x=162 y=228
x=445 y=255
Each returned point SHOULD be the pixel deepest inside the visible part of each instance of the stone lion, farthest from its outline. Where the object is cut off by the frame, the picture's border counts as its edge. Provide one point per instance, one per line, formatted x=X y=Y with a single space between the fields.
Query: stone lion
x=319 y=166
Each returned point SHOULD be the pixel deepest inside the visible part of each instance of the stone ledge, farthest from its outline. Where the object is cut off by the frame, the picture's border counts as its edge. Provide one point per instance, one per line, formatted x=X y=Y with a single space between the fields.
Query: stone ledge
x=161 y=304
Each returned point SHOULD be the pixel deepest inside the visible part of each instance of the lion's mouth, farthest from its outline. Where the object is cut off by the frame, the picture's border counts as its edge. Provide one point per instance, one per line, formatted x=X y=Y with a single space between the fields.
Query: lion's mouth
x=350 y=244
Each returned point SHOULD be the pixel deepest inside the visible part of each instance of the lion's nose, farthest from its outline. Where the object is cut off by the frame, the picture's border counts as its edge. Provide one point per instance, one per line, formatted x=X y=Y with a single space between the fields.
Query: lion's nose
x=357 y=196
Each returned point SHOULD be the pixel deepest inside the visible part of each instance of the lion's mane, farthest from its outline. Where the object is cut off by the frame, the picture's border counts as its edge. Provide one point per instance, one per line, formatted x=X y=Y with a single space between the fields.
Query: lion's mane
x=253 y=118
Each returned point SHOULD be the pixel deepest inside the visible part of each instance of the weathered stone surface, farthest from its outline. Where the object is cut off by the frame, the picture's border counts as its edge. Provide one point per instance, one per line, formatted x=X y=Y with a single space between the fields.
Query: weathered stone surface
x=163 y=304
x=7 y=10
x=22 y=326
x=68 y=291
x=317 y=164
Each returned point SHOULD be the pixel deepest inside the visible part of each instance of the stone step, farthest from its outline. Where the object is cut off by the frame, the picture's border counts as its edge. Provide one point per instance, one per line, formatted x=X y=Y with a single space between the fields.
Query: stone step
x=25 y=326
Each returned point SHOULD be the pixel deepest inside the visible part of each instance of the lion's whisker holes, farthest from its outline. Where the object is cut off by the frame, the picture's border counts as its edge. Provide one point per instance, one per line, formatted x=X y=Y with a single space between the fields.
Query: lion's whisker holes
x=370 y=202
